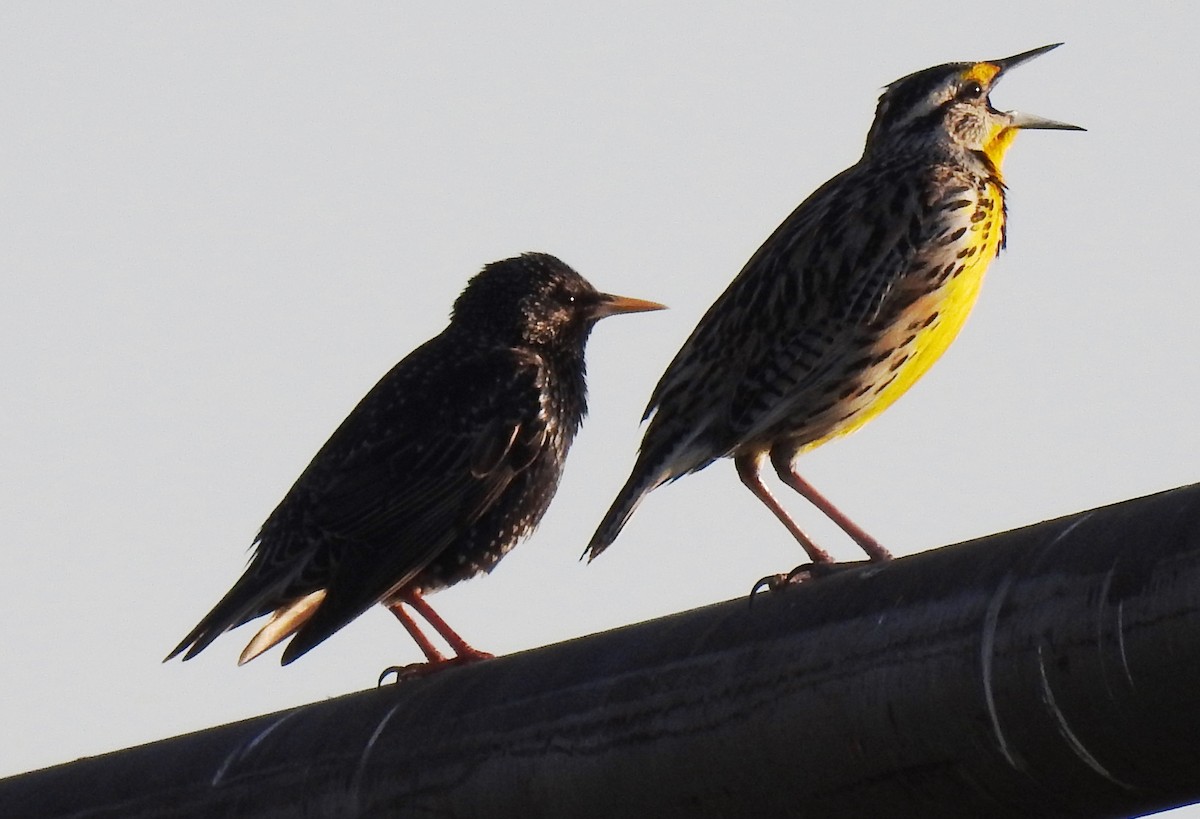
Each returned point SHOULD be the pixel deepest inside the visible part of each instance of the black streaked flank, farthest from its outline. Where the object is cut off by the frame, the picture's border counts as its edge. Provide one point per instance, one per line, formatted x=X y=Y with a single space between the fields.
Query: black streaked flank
x=816 y=310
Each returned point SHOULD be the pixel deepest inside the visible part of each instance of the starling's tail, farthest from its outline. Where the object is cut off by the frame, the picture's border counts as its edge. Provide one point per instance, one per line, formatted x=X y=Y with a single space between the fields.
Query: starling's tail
x=284 y=622
x=225 y=615
x=249 y=598
x=639 y=484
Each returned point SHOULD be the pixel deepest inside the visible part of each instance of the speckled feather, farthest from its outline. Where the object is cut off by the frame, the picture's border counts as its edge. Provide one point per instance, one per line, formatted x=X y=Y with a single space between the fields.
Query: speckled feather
x=817 y=305
x=850 y=300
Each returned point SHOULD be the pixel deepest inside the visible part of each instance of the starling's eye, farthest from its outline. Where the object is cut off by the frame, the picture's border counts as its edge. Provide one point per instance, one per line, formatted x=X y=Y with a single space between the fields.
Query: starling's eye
x=970 y=91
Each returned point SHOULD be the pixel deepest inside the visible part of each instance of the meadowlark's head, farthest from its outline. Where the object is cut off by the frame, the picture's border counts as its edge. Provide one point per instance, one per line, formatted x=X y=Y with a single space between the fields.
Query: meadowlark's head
x=948 y=105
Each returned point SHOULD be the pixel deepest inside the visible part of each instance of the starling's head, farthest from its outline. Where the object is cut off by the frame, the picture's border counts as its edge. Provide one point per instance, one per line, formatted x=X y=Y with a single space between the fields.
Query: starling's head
x=948 y=106
x=537 y=299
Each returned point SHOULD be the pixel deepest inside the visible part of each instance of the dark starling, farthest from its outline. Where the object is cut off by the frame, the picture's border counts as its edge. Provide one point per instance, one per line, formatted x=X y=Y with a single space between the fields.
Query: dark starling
x=847 y=304
x=451 y=459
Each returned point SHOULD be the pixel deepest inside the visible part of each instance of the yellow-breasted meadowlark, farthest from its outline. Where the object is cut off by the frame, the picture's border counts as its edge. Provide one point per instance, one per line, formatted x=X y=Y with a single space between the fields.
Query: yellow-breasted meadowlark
x=848 y=302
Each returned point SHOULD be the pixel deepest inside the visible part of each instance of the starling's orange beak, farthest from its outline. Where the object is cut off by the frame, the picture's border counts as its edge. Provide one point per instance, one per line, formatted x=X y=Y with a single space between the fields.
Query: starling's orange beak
x=610 y=305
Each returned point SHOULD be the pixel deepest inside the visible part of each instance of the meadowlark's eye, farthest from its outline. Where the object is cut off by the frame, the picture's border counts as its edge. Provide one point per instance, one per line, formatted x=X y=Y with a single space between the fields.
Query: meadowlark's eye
x=970 y=91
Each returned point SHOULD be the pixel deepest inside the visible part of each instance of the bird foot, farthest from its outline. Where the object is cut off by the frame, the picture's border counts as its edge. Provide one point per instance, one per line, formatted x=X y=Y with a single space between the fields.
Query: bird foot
x=803 y=572
x=806 y=572
x=414 y=671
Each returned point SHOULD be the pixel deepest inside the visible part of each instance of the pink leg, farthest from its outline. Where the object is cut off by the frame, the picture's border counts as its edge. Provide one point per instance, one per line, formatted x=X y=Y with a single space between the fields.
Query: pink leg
x=748 y=468
x=463 y=650
x=428 y=648
x=782 y=461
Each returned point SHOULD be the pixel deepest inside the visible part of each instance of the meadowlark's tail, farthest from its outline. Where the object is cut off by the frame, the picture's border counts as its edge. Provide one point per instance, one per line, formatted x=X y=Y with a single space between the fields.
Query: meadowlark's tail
x=620 y=512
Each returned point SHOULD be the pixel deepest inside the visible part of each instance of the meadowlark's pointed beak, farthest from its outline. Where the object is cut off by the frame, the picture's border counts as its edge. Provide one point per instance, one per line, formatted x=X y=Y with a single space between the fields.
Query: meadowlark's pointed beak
x=1017 y=119
x=1009 y=63
x=610 y=305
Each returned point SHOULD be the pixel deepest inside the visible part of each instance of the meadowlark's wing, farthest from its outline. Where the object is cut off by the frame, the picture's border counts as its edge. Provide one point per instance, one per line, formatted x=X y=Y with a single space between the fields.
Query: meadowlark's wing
x=779 y=331
x=822 y=279
x=831 y=288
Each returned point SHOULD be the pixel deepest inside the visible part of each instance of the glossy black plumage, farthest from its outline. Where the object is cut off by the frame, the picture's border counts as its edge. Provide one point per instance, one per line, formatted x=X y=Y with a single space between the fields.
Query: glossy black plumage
x=437 y=473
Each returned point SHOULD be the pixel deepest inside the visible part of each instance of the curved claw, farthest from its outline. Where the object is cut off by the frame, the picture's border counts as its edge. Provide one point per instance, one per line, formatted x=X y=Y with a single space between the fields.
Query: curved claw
x=414 y=670
x=402 y=672
x=771 y=582
x=806 y=572
x=809 y=571
x=775 y=582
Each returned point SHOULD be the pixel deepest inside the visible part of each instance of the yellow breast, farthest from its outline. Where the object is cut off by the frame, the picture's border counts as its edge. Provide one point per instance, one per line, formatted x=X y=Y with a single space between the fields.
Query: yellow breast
x=927 y=327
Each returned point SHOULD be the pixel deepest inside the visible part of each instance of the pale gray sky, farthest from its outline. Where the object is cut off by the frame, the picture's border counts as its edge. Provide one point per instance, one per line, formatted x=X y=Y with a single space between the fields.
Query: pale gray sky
x=224 y=222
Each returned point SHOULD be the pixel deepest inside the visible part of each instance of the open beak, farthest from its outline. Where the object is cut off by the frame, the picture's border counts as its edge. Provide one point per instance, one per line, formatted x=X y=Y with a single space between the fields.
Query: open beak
x=1017 y=119
x=610 y=305
x=1021 y=120
x=1012 y=62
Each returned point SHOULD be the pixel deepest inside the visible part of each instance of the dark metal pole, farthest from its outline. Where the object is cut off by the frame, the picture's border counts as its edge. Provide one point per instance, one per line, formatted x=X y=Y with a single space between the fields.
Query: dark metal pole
x=1048 y=671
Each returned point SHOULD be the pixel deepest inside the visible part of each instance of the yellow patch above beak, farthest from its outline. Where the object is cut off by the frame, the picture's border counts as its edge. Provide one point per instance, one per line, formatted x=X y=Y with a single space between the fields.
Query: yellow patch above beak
x=982 y=73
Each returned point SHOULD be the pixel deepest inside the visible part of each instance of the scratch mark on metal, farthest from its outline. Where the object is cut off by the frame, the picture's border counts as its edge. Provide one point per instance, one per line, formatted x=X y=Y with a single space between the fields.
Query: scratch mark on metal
x=1064 y=729
x=242 y=751
x=1101 y=610
x=366 y=752
x=986 y=648
x=1121 y=642
x=1071 y=527
x=1079 y=521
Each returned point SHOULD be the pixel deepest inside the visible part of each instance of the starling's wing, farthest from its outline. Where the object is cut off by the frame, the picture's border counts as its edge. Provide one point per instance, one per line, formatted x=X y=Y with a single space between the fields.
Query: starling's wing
x=443 y=463
x=393 y=486
x=396 y=503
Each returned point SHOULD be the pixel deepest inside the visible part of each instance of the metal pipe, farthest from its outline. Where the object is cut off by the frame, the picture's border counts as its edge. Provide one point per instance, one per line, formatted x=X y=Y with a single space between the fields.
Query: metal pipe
x=1050 y=670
